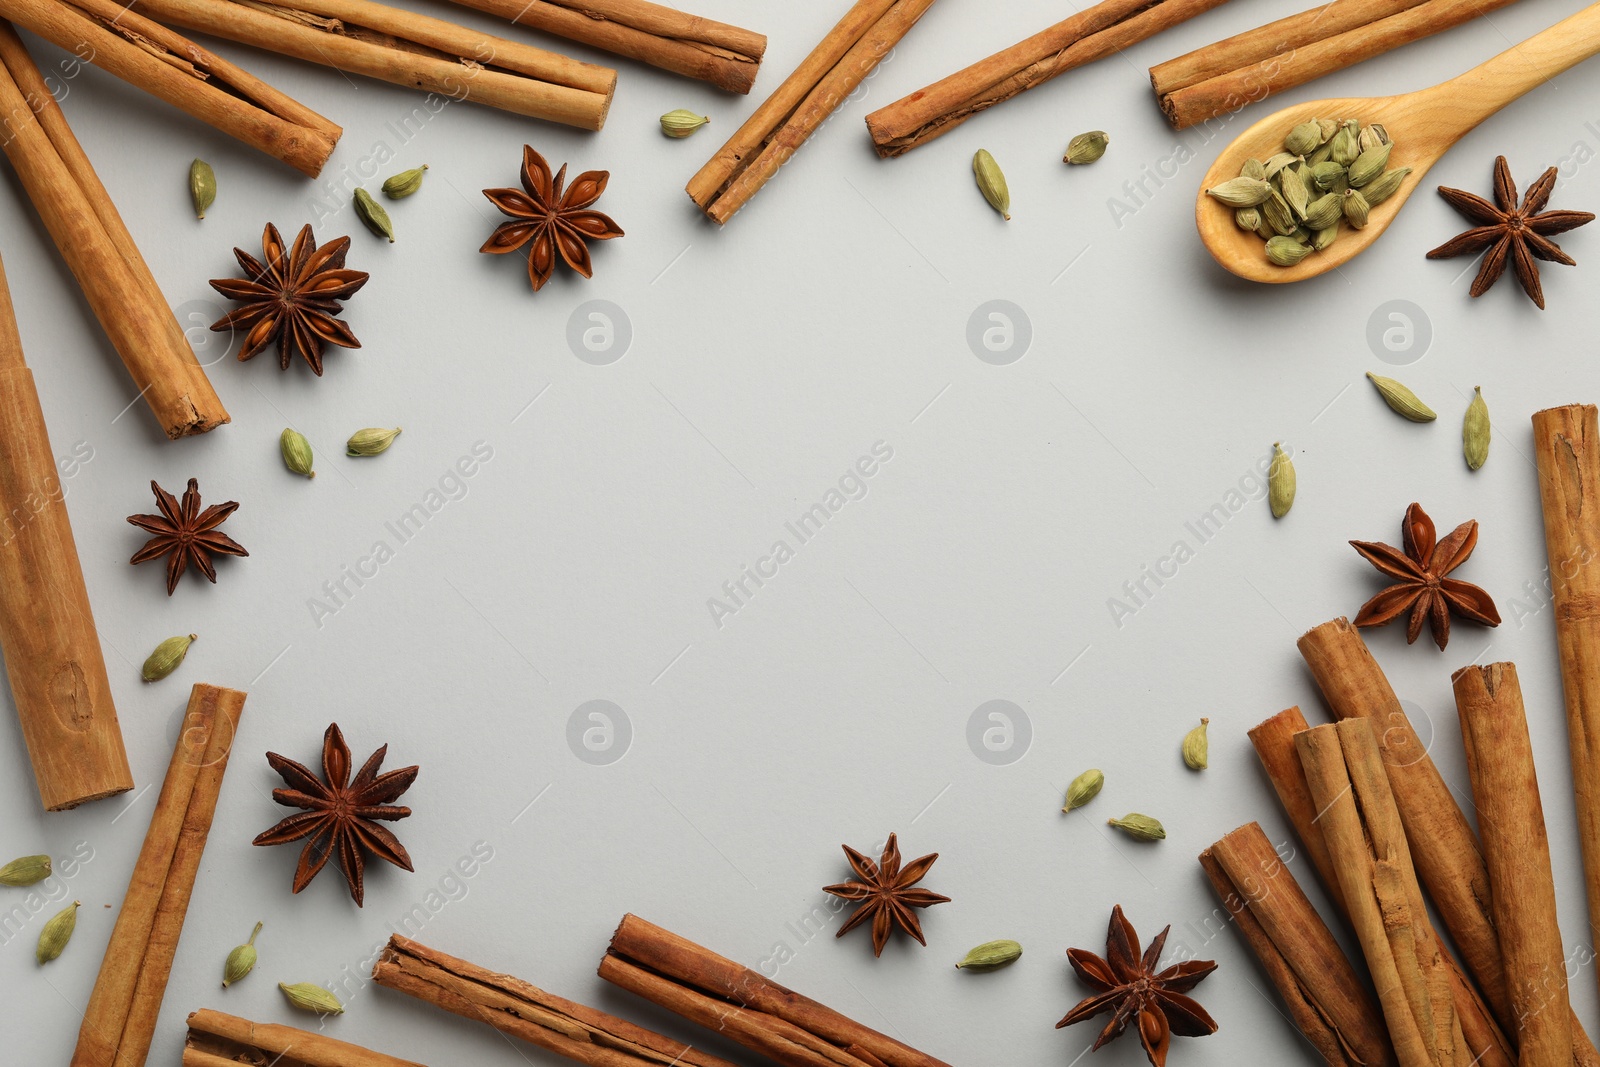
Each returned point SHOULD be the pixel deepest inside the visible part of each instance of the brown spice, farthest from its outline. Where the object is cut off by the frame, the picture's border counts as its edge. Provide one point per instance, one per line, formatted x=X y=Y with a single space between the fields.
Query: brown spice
x=886 y=894
x=554 y=221
x=1421 y=584
x=185 y=534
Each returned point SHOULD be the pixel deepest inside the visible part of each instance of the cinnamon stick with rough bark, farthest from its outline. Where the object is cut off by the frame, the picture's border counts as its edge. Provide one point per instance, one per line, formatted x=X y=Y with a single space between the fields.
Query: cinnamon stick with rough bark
x=777 y=129
x=1325 y=997
x=394 y=45
x=525 y=1011
x=219 y=1040
x=743 y=1005
x=121 y=1017
x=1091 y=34
x=1566 y=442
x=710 y=51
x=177 y=70
x=90 y=235
x=1505 y=786
x=52 y=651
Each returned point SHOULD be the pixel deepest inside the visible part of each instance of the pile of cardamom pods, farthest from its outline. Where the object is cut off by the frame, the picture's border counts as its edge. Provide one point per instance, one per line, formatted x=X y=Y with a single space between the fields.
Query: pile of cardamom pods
x=1330 y=172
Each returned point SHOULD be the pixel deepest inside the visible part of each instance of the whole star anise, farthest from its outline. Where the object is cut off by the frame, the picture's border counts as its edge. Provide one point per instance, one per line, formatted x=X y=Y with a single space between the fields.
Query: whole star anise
x=886 y=894
x=1421 y=585
x=554 y=221
x=339 y=814
x=293 y=297
x=1520 y=235
x=185 y=534
x=1133 y=990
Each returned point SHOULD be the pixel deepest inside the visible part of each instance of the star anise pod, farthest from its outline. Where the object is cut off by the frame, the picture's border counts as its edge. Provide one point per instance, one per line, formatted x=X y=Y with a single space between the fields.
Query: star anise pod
x=554 y=221
x=293 y=297
x=886 y=894
x=185 y=534
x=1133 y=991
x=1520 y=235
x=339 y=814
x=1421 y=585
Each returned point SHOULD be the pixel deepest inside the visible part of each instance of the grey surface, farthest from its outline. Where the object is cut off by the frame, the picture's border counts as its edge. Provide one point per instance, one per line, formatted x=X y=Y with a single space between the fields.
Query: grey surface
x=836 y=704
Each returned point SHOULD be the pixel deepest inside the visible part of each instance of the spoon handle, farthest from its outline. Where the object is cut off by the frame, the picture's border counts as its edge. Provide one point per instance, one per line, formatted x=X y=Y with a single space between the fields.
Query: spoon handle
x=1488 y=87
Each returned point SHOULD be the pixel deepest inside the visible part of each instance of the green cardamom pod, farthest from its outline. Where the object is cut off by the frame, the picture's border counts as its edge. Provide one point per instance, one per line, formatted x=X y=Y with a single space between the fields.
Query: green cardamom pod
x=1084 y=788
x=1369 y=165
x=1254 y=168
x=404 y=184
x=1373 y=135
x=1276 y=163
x=1088 y=147
x=1196 y=749
x=241 y=961
x=202 y=186
x=374 y=215
x=1345 y=146
x=1286 y=251
x=1247 y=218
x=25 y=871
x=1242 y=192
x=1303 y=139
x=1356 y=208
x=1324 y=211
x=1293 y=186
x=991 y=955
x=307 y=996
x=1324 y=175
x=1280 y=482
x=57 y=932
x=1275 y=209
x=296 y=452
x=1401 y=399
x=166 y=658
x=682 y=122
x=1140 y=827
x=1475 y=431
x=1384 y=185
x=992 y=182
x=1325 y=237
x=1328 y=127
x=371 y=441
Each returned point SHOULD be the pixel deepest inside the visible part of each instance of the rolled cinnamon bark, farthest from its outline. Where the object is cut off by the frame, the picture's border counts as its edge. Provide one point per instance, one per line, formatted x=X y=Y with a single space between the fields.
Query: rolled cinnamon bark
x=1505 y=787
x=219 y=1040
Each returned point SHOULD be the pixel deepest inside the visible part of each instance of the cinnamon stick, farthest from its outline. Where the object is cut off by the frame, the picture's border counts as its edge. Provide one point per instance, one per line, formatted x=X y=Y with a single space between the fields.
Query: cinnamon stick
x=1344 y=770
x=121 y=1017
x=52 y=652
x=1222 y=78
x=743 y=1005
x=90 y=235
x=1324 y=995
x=219 y=1040
x=777 y=129
x=397 y=46
x=1091 y=34
x=527 y=1012
x=183 y=74
x=726 y=56
x=1505 y=787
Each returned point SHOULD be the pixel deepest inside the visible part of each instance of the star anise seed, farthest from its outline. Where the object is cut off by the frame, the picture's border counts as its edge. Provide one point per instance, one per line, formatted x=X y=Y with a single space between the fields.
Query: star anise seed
x=339 y=813
x=885 y=892
x=1518 y=235
x=293 y=298
x=1421 y=583
x=554 y=221
x=1133 y=991
x=185 y=534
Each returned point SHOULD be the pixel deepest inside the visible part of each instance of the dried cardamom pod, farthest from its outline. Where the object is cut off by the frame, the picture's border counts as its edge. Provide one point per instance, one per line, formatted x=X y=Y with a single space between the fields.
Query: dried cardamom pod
x=991 y=956
x=371 y=441
x=992 y=182
x=1384 y=185
x=1276 y=163
x=1324 y=211
x=1325 y=237
x=166 y=658
x=1356 y=208
x=308 y=996
x=1475 y=431
x=57 y=932
x=1369 y=165
x=1303 y=139
x=682 y=122
x=1196 y=749
x=405 y=183
x=1084 y=788
x=202 y=187
x=1321 y=155
x=1373 y=135
x=1293 y=186
x=1324 y=175
x=1345 y=146
x=1247 y=218
x=1286 y=251
x=1401 y=399
x=25 y=871
x=1242 y=192
x=1139 y=827
x=296 y=452
x=1253 y=168
x=1280 y=482
x=374 y=215
x=1276 y=211
x=1329 y=127
x=1088 y=147
x=241 y=961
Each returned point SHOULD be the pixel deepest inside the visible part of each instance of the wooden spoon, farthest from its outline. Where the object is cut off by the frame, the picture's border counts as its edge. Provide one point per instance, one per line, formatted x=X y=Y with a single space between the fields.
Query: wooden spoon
x=1424 y=125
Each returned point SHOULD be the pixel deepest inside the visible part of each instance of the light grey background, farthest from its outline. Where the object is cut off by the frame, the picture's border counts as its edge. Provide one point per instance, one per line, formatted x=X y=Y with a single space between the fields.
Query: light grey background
x=835 y=705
